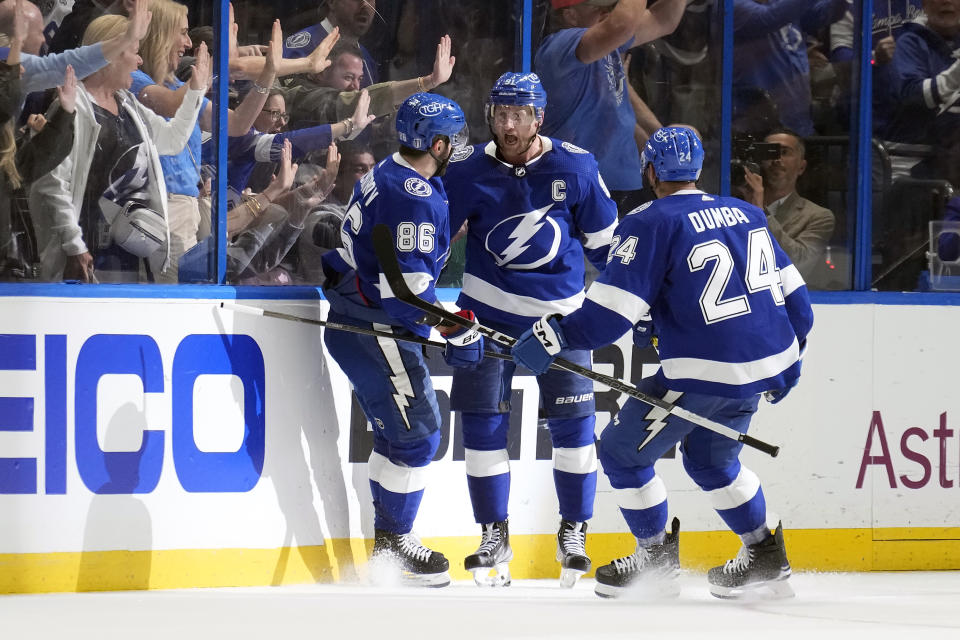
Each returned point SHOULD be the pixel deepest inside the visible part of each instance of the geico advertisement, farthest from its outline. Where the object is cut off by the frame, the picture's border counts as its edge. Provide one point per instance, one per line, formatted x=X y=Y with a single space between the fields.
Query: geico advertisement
x=175 y=424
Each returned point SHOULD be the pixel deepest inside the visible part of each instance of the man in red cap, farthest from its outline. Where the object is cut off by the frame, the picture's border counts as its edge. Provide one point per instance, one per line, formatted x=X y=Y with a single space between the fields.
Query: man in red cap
x=581 y=67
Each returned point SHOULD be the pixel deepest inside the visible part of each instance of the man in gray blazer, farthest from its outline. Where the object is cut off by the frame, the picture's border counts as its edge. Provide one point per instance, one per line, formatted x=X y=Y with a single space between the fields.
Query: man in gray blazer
x=802 y=228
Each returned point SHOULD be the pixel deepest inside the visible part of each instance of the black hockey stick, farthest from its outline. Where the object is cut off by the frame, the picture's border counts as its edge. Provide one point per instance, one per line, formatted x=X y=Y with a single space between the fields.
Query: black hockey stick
x=337 y=326
x=383 y=247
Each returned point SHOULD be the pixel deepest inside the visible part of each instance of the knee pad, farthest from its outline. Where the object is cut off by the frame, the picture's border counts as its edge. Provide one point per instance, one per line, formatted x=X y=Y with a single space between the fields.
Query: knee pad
x=414 y=453
x=710 y=478
x=572 y=432
x=485 y=431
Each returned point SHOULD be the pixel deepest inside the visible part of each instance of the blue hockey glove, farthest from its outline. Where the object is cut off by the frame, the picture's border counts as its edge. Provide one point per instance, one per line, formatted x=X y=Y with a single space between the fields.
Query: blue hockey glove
x=776 y=395
x=643 y=333
x=464 y=346
x=540 y=344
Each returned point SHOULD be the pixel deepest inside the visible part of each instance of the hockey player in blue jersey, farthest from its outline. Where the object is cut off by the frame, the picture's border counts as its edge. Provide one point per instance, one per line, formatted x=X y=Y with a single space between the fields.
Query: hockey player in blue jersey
x=390 y=378
x=534 y=207
x=732 y=315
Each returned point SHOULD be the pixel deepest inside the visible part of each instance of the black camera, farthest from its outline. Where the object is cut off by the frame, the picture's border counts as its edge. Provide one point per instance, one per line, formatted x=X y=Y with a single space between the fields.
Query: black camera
x=750 y=154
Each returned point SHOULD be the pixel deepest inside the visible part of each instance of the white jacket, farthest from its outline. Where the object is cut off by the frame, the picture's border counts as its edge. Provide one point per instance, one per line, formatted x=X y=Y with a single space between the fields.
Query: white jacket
x=56 y=198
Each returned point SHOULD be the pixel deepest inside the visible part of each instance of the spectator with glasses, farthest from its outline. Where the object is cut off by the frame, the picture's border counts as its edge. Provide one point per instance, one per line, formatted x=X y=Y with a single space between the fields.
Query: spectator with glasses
x=264 y=141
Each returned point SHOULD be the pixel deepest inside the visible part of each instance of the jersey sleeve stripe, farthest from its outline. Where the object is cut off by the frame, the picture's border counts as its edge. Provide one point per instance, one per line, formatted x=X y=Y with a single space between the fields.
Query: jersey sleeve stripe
x=734 y=373
x=575 y=459
x=928 y=93
x=262 y=149
x=417 y=281
x=601 y=238
x=630 y=306
x=395 y=478
x=737 y=493
x=496 y=297
x=791 y=279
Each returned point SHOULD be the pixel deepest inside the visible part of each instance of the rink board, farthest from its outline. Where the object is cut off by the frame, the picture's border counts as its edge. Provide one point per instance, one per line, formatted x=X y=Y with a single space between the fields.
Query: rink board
x=162 y=443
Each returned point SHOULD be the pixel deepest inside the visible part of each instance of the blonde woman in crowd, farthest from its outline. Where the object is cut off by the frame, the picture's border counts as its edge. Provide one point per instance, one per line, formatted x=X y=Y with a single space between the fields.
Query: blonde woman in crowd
x=102 y=213
x=156 y=86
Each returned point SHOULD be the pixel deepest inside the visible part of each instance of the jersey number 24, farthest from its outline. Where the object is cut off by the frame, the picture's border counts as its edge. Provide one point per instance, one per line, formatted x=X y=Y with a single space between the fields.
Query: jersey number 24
x=762 y=275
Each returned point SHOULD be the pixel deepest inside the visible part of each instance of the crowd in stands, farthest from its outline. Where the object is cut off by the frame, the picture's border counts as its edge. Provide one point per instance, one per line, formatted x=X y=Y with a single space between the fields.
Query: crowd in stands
x=107 y=145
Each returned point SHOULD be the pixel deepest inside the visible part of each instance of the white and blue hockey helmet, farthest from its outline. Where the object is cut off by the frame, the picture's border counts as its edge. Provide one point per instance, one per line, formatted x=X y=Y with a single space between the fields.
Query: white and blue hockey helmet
x=517 y=90
x=676 y=154
x=424 y=116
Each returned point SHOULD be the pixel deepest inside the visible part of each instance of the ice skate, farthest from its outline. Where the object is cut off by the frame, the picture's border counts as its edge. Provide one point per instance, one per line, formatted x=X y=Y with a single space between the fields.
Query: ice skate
x=571 y=552
x=494 y=553
x=401 y=557
x=651 y=571
x=760 y=570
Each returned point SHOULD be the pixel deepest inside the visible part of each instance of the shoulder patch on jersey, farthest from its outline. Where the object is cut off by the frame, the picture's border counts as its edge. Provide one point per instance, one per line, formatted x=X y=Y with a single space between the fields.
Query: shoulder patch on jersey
x=645 y=205
x=417 y=187
x=462 y=153
x=298 y=40
x=572 y=148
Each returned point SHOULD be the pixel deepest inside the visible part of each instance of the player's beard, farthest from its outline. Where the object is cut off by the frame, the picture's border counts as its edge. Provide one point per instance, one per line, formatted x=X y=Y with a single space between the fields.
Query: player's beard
x=442 y=164
x=521 y=152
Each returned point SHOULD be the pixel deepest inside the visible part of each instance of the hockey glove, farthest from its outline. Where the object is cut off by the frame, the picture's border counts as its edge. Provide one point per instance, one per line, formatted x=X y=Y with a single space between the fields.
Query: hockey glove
x=643 y=333
x=540 y=344
x=464 y=346
x=776 y=395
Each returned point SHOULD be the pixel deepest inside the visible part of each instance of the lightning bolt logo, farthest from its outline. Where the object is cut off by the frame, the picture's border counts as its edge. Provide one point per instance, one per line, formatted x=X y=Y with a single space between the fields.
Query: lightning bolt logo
x=402 y=386
x=658 y=418
x=530 y=223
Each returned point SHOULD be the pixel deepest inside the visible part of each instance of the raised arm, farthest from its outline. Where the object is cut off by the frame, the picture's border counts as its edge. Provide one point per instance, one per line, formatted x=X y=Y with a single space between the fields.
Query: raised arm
x=613 y=32
x=442 y=69
x=246 y=113
x=247 y=67
x=137 y=25
x=659 y=20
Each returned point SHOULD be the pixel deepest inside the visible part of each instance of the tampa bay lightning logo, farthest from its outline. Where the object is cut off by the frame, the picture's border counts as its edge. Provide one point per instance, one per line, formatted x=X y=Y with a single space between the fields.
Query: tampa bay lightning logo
x=462 y=153
x=417 y=187
x=525 y=241
x=298 y=40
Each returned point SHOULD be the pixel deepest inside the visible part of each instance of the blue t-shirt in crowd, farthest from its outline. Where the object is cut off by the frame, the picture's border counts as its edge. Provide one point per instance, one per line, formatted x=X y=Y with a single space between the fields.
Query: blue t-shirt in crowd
x=588 y=105
x=181 y=173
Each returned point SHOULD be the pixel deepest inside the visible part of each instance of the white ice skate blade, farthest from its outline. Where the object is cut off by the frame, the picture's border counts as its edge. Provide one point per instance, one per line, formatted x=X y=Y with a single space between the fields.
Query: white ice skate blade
x=434 y=580
x=652 y=589
x=384 y=571
x=569 y=577
x=499 y=576
x=778 y=589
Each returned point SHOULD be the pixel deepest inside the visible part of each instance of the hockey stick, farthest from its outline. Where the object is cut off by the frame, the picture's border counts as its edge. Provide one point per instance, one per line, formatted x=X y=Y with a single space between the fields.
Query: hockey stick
x=337 y=326
x=383 y=247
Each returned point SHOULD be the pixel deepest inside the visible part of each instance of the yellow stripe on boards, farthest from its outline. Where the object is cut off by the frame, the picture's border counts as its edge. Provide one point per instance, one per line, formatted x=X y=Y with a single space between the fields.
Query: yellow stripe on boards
x=886 y=549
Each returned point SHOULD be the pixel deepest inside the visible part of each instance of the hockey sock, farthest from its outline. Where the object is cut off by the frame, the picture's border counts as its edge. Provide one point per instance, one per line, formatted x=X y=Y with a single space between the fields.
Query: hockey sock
x=574 y=466
x=392 y=511
x=644 y=508
x=487 y=464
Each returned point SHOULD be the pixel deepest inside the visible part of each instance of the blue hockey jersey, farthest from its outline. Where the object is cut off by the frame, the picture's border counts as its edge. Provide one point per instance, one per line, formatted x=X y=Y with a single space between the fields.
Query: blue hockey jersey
x=416 y=211
x=729 y=308
x=529 y=228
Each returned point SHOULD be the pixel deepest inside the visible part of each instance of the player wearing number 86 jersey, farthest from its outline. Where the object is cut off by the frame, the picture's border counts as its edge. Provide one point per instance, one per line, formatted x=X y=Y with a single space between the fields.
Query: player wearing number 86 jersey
x=732 y=316
x=390 y=378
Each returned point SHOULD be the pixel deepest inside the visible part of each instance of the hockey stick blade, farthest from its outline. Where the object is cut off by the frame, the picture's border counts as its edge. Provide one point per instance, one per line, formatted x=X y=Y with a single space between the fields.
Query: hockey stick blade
x=337 y=326
x=383 y=247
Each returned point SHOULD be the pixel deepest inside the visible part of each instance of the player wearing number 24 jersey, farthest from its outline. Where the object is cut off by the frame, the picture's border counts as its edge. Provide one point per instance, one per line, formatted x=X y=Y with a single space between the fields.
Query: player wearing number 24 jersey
x=708 y=271
x=732 y=314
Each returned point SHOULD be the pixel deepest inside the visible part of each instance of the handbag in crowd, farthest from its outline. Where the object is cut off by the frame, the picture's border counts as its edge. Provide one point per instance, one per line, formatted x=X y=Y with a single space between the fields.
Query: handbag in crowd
x=135 y=228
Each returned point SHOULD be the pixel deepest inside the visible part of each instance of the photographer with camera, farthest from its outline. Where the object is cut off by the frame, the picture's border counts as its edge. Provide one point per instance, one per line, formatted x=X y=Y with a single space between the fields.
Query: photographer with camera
x=765 y=174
